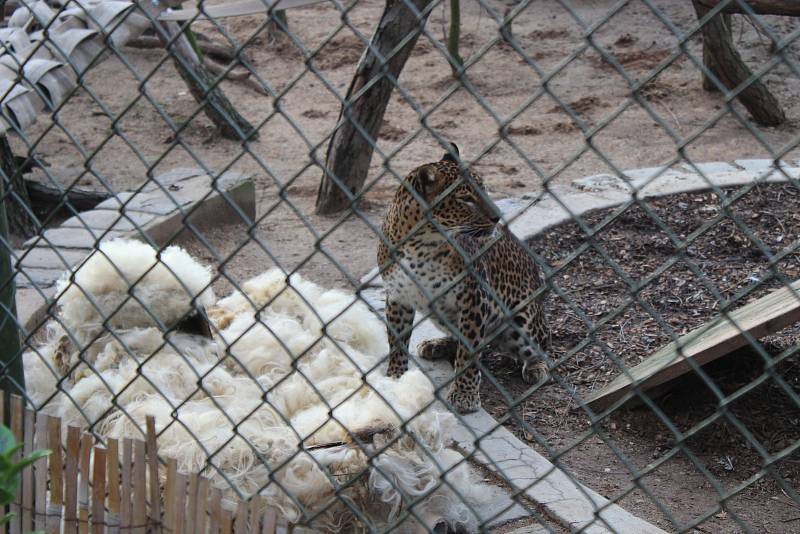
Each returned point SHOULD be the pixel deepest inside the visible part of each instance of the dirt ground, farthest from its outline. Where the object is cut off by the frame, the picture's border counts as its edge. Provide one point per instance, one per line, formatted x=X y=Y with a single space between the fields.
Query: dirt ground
x=148 y=100
x=728 y=260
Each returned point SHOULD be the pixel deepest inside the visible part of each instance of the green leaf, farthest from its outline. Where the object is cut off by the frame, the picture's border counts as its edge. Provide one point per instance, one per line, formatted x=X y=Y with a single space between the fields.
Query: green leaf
x=28 y=460
x=6 y=439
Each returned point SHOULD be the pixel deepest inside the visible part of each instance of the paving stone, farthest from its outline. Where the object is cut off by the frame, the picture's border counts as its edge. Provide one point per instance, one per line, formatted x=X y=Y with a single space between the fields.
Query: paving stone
x=115 y=202
x=48 y=258
x=104 y=218
x=35 y=277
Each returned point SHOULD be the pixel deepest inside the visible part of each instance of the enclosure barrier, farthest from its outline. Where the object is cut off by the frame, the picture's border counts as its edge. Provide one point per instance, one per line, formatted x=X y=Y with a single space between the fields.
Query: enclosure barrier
x=84 y=485
x=132 y=126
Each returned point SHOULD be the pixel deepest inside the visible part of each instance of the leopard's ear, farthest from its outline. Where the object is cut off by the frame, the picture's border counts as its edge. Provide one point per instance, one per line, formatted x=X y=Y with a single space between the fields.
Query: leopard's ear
x=425 y=180
x=453 y=154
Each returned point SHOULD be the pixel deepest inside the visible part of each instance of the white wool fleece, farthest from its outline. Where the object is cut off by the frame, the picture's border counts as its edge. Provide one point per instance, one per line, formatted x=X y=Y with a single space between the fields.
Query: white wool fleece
x=271 y=385
x=113 y=275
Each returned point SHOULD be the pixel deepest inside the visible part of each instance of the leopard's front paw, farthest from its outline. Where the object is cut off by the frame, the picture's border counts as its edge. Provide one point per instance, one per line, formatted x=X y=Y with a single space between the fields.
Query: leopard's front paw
x=535 y=372
x=463 y=401
x=397 y=367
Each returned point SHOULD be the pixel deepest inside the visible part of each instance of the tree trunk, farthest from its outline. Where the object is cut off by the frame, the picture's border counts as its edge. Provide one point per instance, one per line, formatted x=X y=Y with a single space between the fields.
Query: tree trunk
x=454 y=36
x=216 y=105
x=17 y=202
x=349 y=152
x=274 y=30
x=732 y=71
x=708 y=57
x=789 y=8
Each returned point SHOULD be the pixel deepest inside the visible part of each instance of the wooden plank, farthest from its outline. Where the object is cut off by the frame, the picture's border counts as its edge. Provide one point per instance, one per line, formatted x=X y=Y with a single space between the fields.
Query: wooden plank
x=40 y=475
x=215 y=515
x=717 y=338
x=112 y=468
x=99 y=491
x=17 y=414
x=240 y=526
x=233 y=9
x=71 y=481
x=202 y=505
x=154 y=516
x=270 y=520
x=180 y=504
x=26 y=479
x=125 y=512
x=83 y=483
x=191 y=503
x=255 y=506
x=55 y=465
x=169 y=495
x=139 y=518
x=227 y=520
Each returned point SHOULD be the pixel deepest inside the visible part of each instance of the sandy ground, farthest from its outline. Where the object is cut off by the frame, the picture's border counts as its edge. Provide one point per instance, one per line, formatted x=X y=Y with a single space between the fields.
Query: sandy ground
x=148 y=101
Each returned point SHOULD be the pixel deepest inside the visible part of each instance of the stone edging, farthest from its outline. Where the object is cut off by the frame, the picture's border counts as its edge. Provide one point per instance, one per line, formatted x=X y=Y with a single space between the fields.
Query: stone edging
x=570 y=503
x=151 y=212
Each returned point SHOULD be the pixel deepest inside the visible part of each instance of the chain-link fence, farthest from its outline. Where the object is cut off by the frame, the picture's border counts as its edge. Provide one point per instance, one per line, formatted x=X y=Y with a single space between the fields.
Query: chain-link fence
x=196 y=197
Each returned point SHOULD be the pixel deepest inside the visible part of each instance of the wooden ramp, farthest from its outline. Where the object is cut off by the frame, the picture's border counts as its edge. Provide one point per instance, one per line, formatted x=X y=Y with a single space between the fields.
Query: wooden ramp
x=706 y=343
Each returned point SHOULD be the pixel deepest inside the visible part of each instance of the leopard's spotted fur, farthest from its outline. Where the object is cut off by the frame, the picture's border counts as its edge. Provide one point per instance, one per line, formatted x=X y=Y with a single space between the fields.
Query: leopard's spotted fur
x=423 y=271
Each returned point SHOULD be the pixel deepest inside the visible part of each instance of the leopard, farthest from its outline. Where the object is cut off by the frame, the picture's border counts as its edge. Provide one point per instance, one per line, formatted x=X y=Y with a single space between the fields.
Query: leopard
x=447 y=255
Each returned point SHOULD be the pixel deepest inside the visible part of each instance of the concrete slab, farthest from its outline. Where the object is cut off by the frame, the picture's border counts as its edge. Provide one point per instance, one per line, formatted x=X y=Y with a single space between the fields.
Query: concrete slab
x=231 y=201
x=104 y=218
x=49 y=258
x=79 y=238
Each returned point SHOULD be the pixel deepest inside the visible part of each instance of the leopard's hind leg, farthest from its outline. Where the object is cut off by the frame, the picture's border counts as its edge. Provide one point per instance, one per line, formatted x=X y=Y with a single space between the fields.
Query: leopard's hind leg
x=438 y=349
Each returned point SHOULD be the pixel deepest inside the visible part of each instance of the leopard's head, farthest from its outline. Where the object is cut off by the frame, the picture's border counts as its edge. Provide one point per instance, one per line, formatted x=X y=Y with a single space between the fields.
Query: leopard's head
x=452 y=197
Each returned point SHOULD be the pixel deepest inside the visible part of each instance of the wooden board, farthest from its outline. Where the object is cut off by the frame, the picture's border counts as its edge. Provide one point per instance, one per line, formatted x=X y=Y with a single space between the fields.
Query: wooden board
x=713 y=340
x=234 y=9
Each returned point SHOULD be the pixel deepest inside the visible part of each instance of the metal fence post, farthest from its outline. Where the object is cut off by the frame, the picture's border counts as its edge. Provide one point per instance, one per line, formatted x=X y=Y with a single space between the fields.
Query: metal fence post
x=13 y=379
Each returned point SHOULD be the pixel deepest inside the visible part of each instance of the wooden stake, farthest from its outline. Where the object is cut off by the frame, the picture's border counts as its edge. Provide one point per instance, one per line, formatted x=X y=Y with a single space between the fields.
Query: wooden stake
x=202 y=505
x=139 y=519
x=26 y=479
x=112 y=468
x=216 y=511
x=169 y=495
x=83 y=487
x=99 y=491
x=152 y=462
x=227 y=519
x=55 y=464
x=191 y=504
x=180 y=504
x=125 y=512
x=71 y=480
x=40 y=474
x=240 y=526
